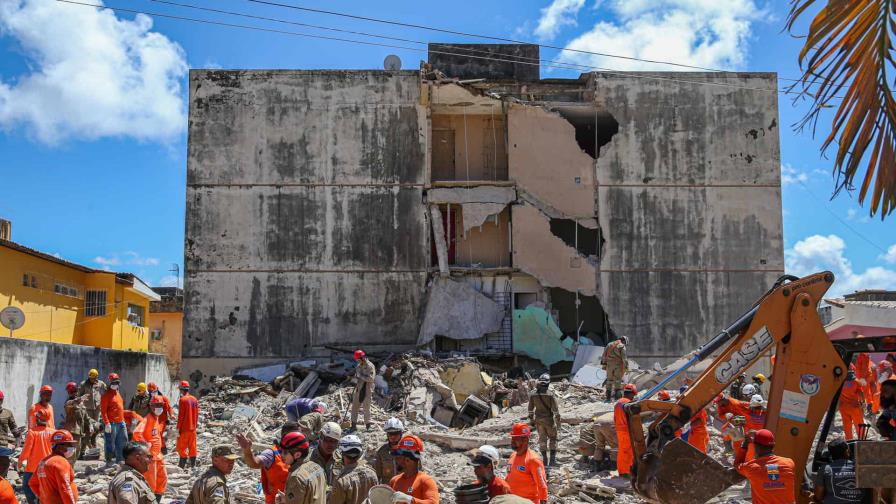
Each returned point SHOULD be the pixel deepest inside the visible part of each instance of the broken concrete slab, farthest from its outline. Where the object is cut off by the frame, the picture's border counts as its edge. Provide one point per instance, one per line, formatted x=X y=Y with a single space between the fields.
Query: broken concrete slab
x=458 y=311
x=479 y=194
x=590 y=374
x=465 y=379
x=475 y=214
x=586 y=354
x=459 y=442
x=438 y=233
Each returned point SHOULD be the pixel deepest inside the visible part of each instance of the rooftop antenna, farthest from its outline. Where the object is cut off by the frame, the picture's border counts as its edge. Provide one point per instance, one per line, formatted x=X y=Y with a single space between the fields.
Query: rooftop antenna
x=175 y=268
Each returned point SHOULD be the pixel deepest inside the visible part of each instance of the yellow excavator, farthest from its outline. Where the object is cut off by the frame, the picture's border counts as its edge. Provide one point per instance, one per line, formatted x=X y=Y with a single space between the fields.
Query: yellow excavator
x=808 y=372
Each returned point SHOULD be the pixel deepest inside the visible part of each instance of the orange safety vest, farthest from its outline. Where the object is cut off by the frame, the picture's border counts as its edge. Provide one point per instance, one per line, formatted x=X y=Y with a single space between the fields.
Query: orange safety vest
x=273 y=479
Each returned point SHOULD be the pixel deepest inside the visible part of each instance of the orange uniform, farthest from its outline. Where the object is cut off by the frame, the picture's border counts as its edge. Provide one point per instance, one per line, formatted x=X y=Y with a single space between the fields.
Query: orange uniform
x=37 y=447
x=772 y=479
x=273 y=478
x=755 y=420
x=851 y=399
x=699 y=437
x=865 y=371
x=525 y=475
x=624 y=457
x=149 y=431
x=130 y=419
x=187 y=419
x=32 y=423
x=112 y=407
x=421 y=487
x=7 y=494
x=167 y=415
x=54 y=481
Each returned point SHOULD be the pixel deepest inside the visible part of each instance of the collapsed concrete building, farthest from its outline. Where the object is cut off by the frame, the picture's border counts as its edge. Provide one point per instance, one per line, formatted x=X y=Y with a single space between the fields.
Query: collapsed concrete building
x=473 y=206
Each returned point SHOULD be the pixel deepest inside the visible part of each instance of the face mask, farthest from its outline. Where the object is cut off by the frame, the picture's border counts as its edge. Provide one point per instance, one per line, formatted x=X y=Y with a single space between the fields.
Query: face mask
x=158 y=411
x=113 y=386
x=69 y=452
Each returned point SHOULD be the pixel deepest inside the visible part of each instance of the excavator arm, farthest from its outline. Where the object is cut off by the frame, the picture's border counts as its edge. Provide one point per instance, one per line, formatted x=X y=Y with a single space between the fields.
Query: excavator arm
x=808 y=373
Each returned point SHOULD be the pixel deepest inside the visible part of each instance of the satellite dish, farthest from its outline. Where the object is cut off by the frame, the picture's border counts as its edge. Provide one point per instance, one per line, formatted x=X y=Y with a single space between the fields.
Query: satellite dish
x=392 y=62
x=12 y=318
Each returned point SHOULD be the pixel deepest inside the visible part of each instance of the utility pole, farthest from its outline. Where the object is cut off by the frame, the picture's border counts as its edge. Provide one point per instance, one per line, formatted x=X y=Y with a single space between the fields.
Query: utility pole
x=175 y=268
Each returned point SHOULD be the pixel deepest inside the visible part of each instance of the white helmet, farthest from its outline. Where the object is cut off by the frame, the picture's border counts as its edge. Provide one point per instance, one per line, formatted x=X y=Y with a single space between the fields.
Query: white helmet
x=757 y=401
x=331 y=430
x=393 y=425
x=351 y=443
x=748 y=390
x=489 y=452
x=545 y=378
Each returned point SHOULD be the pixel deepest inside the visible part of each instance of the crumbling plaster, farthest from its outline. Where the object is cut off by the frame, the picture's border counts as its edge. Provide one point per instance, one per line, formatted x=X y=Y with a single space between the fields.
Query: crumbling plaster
x=456 y=310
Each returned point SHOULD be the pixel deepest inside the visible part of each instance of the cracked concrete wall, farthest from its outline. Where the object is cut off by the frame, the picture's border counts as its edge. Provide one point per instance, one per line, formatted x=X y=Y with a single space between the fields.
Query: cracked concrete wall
x=539 y=253
x=689 y=204
x=304 y=218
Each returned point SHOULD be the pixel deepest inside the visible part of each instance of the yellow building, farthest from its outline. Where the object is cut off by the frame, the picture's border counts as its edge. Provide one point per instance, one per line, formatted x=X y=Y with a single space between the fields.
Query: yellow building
x=166 y=326
x=66 y=302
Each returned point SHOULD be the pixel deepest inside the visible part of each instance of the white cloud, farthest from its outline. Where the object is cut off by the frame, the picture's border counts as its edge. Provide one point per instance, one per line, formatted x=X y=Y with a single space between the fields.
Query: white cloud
x=135 y=258
x=168 y=281
x=107 y=261
x=705 y=33
x=850 y=213
x=790 y=175
x=818 y=253
x=130 y=257
x=890 y=256
x=557 y=15
x=91 y=75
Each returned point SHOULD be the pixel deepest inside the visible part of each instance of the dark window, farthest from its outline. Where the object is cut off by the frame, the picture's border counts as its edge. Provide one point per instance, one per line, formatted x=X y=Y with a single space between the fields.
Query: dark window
x=95 y=303
x=25 y=279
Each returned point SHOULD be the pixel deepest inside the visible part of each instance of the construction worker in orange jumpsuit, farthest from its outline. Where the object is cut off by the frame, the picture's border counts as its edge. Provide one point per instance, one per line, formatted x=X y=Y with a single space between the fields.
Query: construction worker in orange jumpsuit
x=698 y=436
x=274 y=470
x=153 y=390
x=112 y=412
x=867 y=378
x=753 y=412
x=54 y=481
x=772 y=478
x=851 y=400
x=38 y=445
x=624 y=457
x=525 y=469
x=149 y=431
x=7 y=494
x=187 y=419
x=43 y=404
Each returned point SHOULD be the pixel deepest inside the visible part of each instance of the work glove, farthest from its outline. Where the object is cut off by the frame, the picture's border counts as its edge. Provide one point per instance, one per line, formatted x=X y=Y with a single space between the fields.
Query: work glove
x=108 y=429
x=402 y=498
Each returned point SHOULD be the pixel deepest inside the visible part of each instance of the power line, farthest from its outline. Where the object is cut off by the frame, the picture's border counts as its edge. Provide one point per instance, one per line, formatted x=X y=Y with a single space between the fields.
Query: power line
x=834 y=214
x=561 y=65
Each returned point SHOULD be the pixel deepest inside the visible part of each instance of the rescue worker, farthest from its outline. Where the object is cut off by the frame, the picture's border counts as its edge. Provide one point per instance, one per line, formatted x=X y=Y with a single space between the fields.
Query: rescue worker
x=867 y=378
x=597 y=441
x=521 y=393
x=410 y=485
x=525 y=469
x=759 y=380
x=365 y=374
x=754 y=414
x=748 y=391
x=299 y=407
x=38 y=444
x=306 y=483
x=313 y=422
x=112 y=412
x=9 y=431
x=273 y=469
x=93 y=388
x=131 y=421
x=153 y=390
x=383 y=460
x=43 y=404
x=851 y=400
x=323 y=455
x=54 y=480
x=544 y=412
x=7 y=494
x=734 y=390
x=624 y=457
x=76 y=420
x=211 y=487
x=139 y=404
x=187 y=420
x=129 y=486
x=772 y=479
x=698 y=436
x=835 y=483
x=615 y=362
x=356 y=478
x=150 y=432
x=886 y=421
x=485 y=459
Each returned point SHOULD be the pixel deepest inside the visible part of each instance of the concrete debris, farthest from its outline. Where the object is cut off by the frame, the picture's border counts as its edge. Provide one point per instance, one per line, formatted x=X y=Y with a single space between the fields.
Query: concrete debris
x=456 y=310
x=587 y=354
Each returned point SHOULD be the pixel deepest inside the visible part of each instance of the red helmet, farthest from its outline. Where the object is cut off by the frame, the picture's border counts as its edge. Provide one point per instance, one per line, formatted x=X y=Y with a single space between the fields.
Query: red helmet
x=1 y=395
x=882 y=364
x=184 y=384
x=359 y=354
x=157 y=401
x=520 y=429
x=630 y=387
x=664 y=395
x=294 y=441
x=114 y=377
x=71 y=387
x=62 y=437
x=152 y=387
x=764 y=437
x=46 y=388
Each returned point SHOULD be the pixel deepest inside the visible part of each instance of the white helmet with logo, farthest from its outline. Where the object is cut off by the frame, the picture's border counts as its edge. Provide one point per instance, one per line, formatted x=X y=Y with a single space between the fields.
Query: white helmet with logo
x=331 y=430
x=351 y=443
x=393 y=425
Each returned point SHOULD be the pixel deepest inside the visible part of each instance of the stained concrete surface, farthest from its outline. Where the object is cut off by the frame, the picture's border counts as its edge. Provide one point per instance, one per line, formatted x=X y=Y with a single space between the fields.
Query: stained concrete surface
x=456 y=310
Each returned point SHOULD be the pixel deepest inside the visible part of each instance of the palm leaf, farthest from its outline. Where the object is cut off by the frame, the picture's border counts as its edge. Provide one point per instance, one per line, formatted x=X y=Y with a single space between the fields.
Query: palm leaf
x=848 y=64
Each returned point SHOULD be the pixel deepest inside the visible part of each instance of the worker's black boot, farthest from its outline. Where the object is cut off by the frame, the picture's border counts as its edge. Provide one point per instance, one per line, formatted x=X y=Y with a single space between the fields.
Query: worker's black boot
x=159 y=498
x=192 y=462
x=609 y=395
x=553 y=461
x=181 y=462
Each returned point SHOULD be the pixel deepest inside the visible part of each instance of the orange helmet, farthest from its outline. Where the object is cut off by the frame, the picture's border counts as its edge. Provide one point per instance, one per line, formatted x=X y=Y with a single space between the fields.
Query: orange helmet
x=157 y=401
x=184 y=384
x=46 y=388
x=630 y=387
x=114 y=377
x=62 y=437
x=71 y=387
x=152 y=387
x=359 y=354
x=764 y=437
x=664 y=395
x=409 y=446
x=520 y=429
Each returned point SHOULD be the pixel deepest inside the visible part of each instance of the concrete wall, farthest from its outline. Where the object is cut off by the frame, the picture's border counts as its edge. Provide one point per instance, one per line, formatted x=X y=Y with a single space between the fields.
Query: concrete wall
x=689 y=203
x=305 y=223
x=27 y=365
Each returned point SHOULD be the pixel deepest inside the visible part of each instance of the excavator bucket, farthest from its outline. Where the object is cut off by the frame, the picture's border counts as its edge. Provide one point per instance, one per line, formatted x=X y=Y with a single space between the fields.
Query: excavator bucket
x=681 y=474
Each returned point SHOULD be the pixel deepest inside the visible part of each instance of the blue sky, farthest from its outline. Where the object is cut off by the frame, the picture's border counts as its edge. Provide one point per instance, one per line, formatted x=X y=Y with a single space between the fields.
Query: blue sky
x=93 y=108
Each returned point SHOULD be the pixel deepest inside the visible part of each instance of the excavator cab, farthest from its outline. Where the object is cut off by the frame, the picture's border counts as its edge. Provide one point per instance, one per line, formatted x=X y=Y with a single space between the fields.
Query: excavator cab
x=805 y=384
